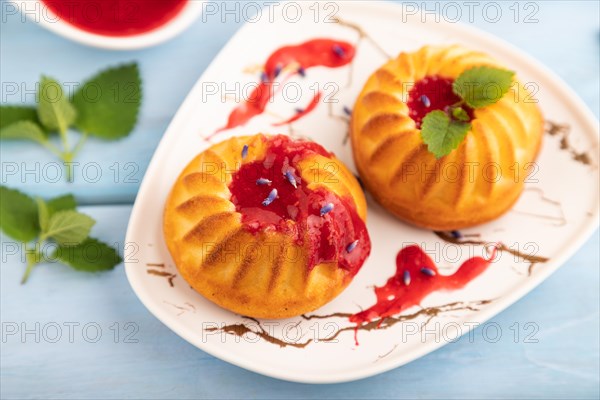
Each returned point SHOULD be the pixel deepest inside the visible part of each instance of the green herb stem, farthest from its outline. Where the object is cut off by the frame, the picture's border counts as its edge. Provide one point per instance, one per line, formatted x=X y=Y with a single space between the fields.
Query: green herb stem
x=67 y=158
x=69 y=154
x=459 y=103
x=33 y=257
x=52 y=148
x=64 y=139
x=79 y=145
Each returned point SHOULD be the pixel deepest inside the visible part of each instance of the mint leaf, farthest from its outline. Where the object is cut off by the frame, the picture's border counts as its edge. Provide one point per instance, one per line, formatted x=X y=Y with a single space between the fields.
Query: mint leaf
x=65 y=202
x=460 y=114
x=46 y=209
x=54 y=110
x=18 y=215
x=90 y=255
x=440 y=134
x=69 y=227
x=23 y=130
x=109 y=102
x=43 y=214
x=11 y=114
x=482 y=86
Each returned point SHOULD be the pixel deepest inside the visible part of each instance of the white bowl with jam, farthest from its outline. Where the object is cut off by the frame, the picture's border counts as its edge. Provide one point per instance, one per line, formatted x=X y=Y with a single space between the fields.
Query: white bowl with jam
x=113 y=24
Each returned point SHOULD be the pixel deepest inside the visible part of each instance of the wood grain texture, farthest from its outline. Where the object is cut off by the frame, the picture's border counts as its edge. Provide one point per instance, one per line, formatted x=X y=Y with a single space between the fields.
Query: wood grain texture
x=564 y=363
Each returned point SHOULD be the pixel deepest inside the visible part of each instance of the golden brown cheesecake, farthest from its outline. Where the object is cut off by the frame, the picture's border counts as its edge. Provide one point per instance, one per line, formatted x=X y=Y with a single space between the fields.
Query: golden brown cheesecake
x=267 y=226
x=476 y=182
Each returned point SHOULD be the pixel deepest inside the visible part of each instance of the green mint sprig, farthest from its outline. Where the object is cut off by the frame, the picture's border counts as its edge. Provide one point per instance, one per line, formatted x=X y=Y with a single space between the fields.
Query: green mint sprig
x=105 y=106
x=443 y=131
x=36 y=221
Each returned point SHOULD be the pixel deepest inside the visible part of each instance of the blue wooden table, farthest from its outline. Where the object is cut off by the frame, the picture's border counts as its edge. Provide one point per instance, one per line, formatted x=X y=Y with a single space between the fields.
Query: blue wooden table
x=73 y=335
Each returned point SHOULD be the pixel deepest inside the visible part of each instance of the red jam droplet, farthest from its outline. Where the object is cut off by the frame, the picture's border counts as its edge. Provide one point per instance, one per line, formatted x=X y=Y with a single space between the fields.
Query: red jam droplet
x=429 y=94
x=396 y=296
x=297 y=210
x=116 y=17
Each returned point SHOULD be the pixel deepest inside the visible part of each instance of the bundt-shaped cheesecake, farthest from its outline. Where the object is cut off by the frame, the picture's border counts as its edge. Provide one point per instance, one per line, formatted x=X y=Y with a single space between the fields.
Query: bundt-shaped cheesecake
x=474 y=183
x=267 y=226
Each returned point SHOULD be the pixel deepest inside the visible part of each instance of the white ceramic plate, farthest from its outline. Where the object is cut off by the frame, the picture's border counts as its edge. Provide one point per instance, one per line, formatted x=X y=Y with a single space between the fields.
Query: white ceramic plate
x=555 y=215
x=37 y=11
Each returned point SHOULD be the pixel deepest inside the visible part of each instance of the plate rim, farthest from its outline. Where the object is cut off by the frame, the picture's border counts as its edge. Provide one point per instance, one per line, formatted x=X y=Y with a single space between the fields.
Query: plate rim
x=576 y=241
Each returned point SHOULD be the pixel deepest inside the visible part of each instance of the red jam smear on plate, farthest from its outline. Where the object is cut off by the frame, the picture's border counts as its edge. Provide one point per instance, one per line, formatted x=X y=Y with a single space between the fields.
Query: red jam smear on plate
x=399 y=294
x=297 y=210
x=316 y=52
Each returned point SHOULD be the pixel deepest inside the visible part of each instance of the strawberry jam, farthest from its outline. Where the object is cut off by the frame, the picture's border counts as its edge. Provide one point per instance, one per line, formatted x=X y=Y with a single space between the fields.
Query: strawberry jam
x=329 y=224
x=432 y=93
x=323 y=52
x=116 y=17
x=416 y=277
